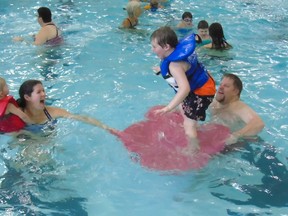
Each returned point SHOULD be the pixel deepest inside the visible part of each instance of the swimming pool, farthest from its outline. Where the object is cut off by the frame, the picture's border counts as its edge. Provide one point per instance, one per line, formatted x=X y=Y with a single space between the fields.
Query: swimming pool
x=105 y=72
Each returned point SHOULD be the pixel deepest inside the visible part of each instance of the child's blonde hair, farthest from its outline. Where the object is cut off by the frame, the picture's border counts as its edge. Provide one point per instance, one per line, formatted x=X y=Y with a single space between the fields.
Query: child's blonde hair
x=132 y=7
x=2 y=83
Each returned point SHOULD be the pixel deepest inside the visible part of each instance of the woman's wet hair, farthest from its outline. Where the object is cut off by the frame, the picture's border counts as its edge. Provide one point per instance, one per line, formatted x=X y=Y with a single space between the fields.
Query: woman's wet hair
x=26 y=88
x=217 y=35
x=45 y=14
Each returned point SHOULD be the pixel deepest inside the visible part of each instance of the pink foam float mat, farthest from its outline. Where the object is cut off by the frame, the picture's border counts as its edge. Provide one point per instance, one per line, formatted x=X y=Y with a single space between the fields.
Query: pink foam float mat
x=159 y=139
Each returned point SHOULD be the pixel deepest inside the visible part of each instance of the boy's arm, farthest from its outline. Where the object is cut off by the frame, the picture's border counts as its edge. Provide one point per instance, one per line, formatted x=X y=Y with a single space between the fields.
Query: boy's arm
x=11 y=108
x=177 y=70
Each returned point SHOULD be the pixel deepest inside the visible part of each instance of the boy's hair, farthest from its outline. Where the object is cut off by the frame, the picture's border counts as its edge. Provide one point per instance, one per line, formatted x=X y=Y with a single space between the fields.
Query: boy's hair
x=187 y=14
x=203 y=24
x=236 y=81
x=165 y=35
x=45 y=14
x=154 y=3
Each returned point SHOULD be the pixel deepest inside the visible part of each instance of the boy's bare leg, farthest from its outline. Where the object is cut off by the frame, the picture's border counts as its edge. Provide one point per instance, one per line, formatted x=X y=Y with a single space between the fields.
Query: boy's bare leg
x=190 y=127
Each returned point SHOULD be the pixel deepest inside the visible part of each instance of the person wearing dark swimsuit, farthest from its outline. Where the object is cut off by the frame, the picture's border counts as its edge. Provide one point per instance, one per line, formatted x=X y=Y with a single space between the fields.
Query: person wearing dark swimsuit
x=132 y=24
x=49 y=33
x=56 y=40
x=32 y=101
x=133 y=9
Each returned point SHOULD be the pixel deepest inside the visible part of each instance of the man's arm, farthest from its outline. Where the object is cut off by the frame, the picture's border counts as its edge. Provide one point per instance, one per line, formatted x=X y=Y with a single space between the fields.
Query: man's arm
x=254 y=123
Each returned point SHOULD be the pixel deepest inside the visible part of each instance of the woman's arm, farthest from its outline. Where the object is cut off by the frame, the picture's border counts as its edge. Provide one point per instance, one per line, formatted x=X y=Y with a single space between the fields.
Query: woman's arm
x=56 y=112
x=11 y=108
x=41 y=37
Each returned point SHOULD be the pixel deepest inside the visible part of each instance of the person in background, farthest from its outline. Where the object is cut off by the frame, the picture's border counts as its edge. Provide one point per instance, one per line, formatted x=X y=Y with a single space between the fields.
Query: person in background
x=32 y=102
x=228 y=109
x=49 y=33
x=134 y=10
x=193 y=85
x=154 y=5
x=12 y=118
x=187 y=20
x=203 y=37
x=218 y=39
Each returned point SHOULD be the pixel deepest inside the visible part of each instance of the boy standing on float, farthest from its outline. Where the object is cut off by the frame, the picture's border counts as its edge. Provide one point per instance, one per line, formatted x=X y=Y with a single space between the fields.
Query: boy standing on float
x=193 y=85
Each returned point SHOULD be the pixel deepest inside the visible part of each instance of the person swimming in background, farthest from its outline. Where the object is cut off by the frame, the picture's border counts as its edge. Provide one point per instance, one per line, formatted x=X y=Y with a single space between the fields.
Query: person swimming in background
x=12 y=118
x=153 y=6
x=187 y=21
x=202 y=36
x=228 y=109
x=192 y=83
x=134 y=10
x=218 y=39
x=49 y=33
x=32 y=102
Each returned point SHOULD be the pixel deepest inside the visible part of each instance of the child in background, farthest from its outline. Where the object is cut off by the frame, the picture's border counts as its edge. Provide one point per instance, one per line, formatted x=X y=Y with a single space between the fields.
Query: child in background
x=203 y=37
x=193 y=85
x=12 y=118
x=186 y=21
x=153 y=6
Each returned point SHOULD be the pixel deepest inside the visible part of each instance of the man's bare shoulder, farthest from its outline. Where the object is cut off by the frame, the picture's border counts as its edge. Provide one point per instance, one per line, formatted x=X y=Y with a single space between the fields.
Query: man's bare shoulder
x=238 y=105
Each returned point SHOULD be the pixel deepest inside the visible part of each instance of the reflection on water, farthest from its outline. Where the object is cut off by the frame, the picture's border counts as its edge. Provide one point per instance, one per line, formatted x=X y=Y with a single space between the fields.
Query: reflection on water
x=272 y=189
x=32 y=180
x=47 y=62
x=105 y=72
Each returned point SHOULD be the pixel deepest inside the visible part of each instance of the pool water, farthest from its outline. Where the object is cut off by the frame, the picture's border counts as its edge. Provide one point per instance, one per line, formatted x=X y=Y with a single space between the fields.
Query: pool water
x=105 y=72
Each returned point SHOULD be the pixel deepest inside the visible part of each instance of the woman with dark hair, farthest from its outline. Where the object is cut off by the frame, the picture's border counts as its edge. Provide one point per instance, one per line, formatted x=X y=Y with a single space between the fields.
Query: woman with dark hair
x=49 y=34
x=218 y=39
x=32 y=102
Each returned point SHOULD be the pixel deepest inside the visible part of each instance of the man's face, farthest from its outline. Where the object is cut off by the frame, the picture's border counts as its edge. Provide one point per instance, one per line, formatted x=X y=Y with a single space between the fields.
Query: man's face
x=226 y=91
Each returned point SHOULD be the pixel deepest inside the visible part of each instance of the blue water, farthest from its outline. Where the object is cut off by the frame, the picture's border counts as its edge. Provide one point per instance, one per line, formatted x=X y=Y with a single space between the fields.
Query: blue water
x=105 y=73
